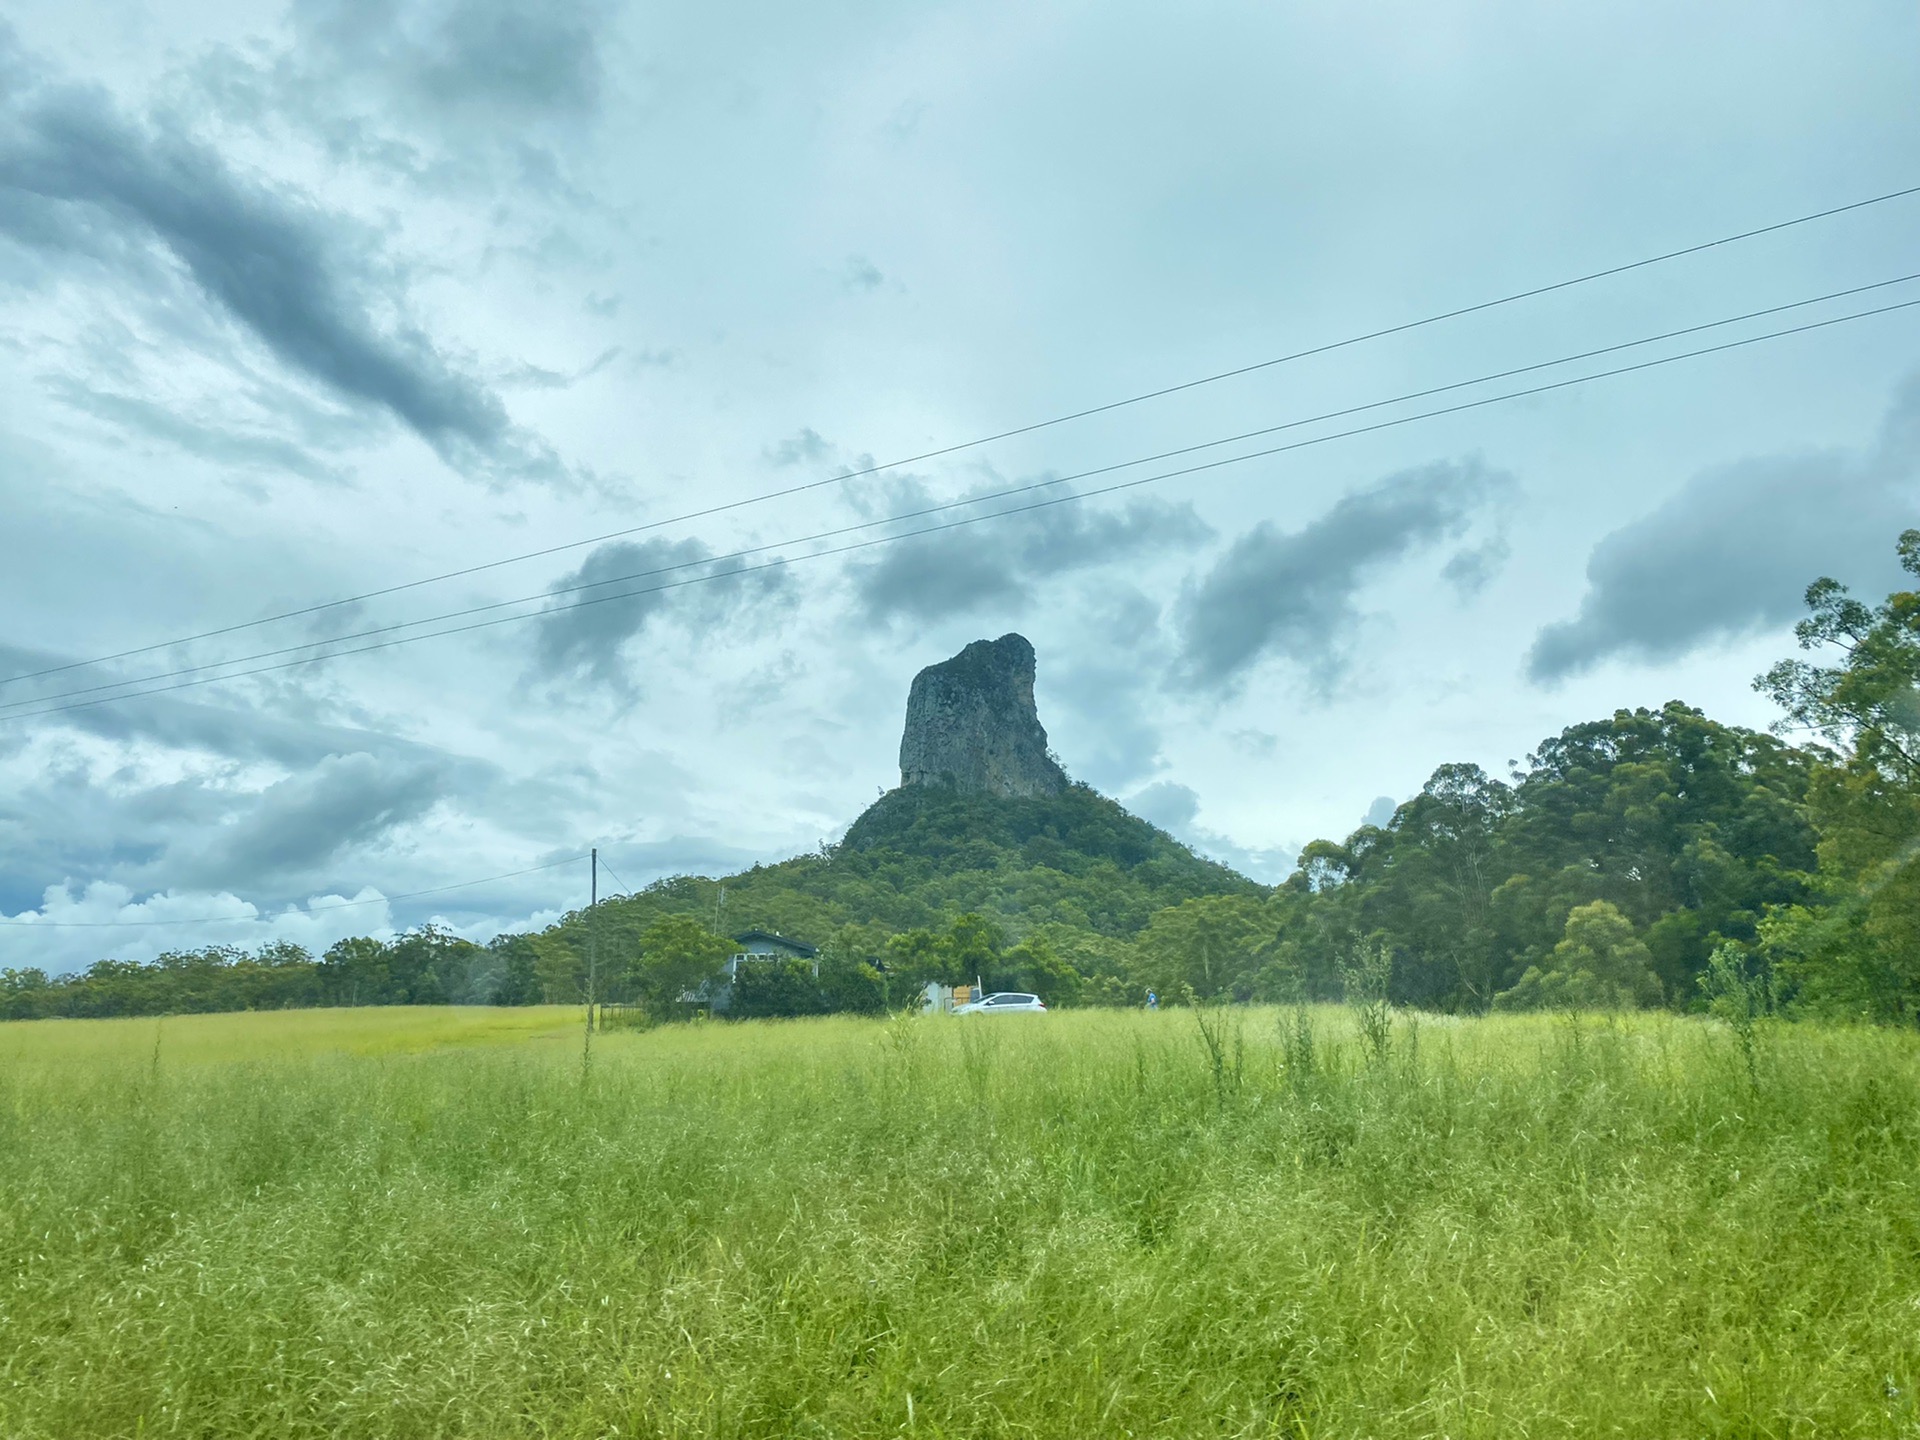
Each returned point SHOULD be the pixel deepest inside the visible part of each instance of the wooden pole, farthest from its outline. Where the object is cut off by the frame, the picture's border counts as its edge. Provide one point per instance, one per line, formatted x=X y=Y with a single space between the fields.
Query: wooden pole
x=593 y=959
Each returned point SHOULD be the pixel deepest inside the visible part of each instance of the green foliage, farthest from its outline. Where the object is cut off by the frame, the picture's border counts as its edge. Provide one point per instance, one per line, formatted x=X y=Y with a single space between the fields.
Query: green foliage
x=1736 y=988
x=1035 y=966
x=1868 y=702
x=1599 y=964
x=1859 y=950
x=922 y=856
x=972 y=946
x=560 y=964
x=1738 y=992
x=509 y=974
x=1223 y=1038
x=428 y=966
x=973 y=950
x=677 y=954
x=767 y=988
x=1038 y=894
x=1366 y=976
x=1299 y=1062
x=1688 y=828
x=1213 y=946
x=851 y=985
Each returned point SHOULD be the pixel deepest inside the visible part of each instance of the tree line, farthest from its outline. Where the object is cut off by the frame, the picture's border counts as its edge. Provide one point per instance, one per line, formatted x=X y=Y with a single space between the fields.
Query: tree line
x=1654 y=857
x=652 y=967
x=1651 y=857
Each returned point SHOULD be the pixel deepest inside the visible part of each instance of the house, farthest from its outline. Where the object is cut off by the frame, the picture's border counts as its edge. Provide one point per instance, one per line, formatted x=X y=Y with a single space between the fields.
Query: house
x=765 y=945
x=756 y=947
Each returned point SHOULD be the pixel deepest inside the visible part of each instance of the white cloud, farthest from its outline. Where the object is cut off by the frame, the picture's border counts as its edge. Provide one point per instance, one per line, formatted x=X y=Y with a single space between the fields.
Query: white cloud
x=68 y=930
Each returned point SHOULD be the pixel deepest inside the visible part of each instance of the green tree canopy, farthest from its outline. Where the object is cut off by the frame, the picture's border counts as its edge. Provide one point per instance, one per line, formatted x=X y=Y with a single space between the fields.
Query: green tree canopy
x=1858 y=949
x=677 y=954
x=1599 y=964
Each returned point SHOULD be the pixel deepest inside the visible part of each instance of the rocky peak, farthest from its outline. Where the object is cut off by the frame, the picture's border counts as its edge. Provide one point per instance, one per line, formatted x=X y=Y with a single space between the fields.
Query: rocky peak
x=972 y=726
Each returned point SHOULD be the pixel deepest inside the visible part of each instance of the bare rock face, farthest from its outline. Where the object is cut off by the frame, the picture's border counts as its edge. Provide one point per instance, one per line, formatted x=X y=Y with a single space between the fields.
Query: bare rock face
x=972 y=726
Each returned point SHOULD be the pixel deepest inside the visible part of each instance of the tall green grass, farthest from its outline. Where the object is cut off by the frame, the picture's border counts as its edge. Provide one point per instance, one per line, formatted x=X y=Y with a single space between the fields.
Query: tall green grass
x=1084 y=1224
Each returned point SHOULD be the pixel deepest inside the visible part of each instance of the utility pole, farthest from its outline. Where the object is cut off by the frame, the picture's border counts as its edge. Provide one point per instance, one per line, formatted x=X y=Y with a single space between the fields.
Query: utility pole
x=593 y=958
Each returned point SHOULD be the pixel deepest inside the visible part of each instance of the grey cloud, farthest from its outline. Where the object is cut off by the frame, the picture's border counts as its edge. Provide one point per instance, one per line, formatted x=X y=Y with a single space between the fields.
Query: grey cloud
x=207 y=722
x=448 y=95
x=806 y=447
x=1098 y=714
x=1472 y=568
x=539 y=377
x=193 y=437
x=926 y=579
x=586 y=640
x=76 y=175
x=862 y=274
x=295 y=826
x=1127 y=620
x=1733 y=552
x=475 y=57
x=961 y=571
x=1293 y=594
x=66 y=816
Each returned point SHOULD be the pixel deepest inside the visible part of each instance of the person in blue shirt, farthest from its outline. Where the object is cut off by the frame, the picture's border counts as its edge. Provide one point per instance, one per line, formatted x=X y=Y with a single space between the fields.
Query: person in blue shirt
x=1153 y=1001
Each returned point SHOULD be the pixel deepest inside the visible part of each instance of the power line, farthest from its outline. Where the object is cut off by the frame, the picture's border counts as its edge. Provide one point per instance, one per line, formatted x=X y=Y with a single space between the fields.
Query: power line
x=262 y=919
x=625 y=890
x=954 y=449
x=869 y=543
x=19 y=707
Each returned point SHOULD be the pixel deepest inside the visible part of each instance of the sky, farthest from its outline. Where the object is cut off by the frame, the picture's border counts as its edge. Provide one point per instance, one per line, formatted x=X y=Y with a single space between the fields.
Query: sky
x=301 y=305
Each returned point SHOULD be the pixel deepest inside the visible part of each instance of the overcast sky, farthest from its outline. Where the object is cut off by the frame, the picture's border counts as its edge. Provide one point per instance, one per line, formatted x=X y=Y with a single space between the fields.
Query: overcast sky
x=304 y=304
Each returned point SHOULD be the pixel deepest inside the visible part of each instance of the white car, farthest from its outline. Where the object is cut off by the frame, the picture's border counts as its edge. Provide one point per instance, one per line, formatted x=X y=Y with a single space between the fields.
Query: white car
x=1007 y=1002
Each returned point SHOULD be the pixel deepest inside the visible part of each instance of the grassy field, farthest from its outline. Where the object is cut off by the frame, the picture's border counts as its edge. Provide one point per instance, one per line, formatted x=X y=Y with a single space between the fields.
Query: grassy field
x=405 y=1222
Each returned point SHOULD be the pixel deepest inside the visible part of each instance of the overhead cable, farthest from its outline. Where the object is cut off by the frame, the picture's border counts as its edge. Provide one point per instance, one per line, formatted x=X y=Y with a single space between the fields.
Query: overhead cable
x=547 y=595
x=625 y=890
x=779 y=562
x=954 y=449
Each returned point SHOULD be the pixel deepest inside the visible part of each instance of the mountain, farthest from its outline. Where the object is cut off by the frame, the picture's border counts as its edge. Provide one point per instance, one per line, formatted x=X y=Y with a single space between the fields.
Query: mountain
x=985 y=821
x=972 y=726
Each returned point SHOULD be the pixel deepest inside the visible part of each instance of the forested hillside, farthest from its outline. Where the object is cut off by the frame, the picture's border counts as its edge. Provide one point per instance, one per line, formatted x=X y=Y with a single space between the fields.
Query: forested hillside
x=1686 y=828
x=1625 y=860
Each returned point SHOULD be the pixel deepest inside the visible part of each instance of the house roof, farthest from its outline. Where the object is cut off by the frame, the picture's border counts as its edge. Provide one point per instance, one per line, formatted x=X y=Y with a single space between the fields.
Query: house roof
x=799 y=947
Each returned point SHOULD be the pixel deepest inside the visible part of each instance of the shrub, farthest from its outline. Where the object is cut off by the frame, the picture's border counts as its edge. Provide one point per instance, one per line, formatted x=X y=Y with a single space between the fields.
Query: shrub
x=1600 y=964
